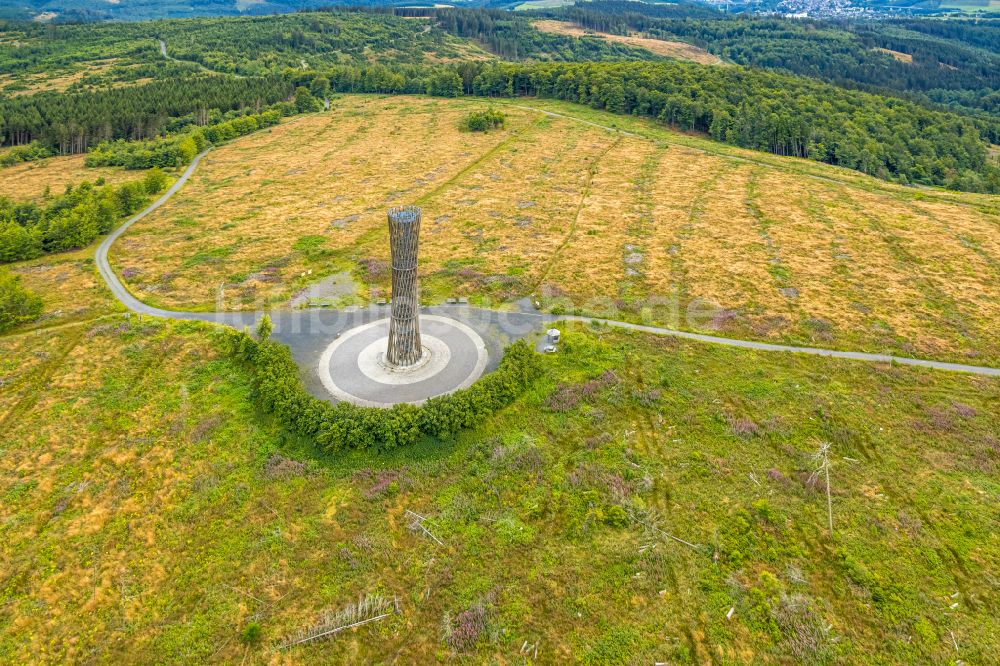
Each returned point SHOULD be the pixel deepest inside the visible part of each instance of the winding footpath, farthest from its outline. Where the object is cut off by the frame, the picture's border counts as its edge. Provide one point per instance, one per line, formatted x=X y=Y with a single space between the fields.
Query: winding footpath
x=163 y=52
x=815 y=351
x=239 y=319
x=104 y=266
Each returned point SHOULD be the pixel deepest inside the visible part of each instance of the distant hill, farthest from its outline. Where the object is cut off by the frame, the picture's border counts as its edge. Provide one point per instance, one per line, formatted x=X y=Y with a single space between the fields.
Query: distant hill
x=137 y=10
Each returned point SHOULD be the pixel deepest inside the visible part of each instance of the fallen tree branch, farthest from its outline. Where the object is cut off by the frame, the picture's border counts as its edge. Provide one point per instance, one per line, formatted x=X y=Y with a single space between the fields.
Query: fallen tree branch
x=648 y=524
x=369 y=609
x=418 y=521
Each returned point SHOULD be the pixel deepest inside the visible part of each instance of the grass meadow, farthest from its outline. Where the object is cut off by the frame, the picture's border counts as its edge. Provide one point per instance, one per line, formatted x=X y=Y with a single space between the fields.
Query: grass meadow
x=30 y=181
x=643 y=224
x=647 y=500
x=661 y=47
x=151 y=514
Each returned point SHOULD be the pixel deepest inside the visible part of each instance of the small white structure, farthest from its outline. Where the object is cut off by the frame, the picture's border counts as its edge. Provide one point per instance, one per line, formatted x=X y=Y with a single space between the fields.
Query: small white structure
x=553 y=334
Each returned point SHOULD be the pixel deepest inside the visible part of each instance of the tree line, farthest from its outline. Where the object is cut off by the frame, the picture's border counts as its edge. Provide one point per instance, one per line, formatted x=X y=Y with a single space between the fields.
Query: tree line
x=973 y=32
x=69 y=124
x=782 y=114
x=945 y=68
x=785 y=115
x=179 y=149
x=73 y=219
x=955 y=63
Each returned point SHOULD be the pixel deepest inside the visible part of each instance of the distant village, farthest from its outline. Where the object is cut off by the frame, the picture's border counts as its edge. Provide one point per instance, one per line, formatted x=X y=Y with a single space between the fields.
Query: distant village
x=826 y=8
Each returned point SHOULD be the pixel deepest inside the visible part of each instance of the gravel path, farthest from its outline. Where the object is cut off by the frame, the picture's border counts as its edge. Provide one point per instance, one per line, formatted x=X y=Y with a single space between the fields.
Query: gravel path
x=815 y=351
x=303 y=330
x=101 y=256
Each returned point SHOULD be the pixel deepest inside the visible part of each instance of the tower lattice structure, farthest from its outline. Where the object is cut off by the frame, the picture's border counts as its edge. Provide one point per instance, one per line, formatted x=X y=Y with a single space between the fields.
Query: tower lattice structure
x=404 y=324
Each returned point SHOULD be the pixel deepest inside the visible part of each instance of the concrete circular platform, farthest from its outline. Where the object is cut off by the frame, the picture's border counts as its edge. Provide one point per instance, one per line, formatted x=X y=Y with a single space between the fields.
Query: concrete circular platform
x=353 y=367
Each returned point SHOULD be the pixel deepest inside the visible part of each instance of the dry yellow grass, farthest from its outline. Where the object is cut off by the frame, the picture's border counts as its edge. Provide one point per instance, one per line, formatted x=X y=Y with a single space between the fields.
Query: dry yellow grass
x=678 y=50
x=898 y=55
x=20 y=357
x=776 y=249
x=723 y=256
x=510 y=216
x=677 y=198
x=36 y=83
x=880 y=282
x=463 y=51
x=29 y=180
x=56 y=81
x=610 y=214
x=69 y=285
x=331 y=175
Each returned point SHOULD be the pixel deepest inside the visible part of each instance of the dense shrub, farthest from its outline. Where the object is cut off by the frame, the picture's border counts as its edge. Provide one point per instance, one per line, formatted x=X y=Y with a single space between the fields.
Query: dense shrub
x=484 y=121
x=163 y=152
x=154 y=181
x=71 y=220
x=32 y=151
x=305 y=102
x=17 y=304
x=279 y=391
x=178 y=149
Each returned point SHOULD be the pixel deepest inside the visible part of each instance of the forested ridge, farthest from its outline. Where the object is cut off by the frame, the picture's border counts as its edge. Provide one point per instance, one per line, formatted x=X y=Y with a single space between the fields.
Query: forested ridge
x=957 y=66
x=73 y=123
x=512 y=37
x=780 y=114
x=144 y=10
x=247 y=46
x=255 y=46
x=984 y=33
x=245 y=66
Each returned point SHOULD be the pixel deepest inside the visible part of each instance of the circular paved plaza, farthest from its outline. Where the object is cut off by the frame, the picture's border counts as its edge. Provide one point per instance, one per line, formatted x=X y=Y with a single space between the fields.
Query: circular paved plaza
x=353 y=367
